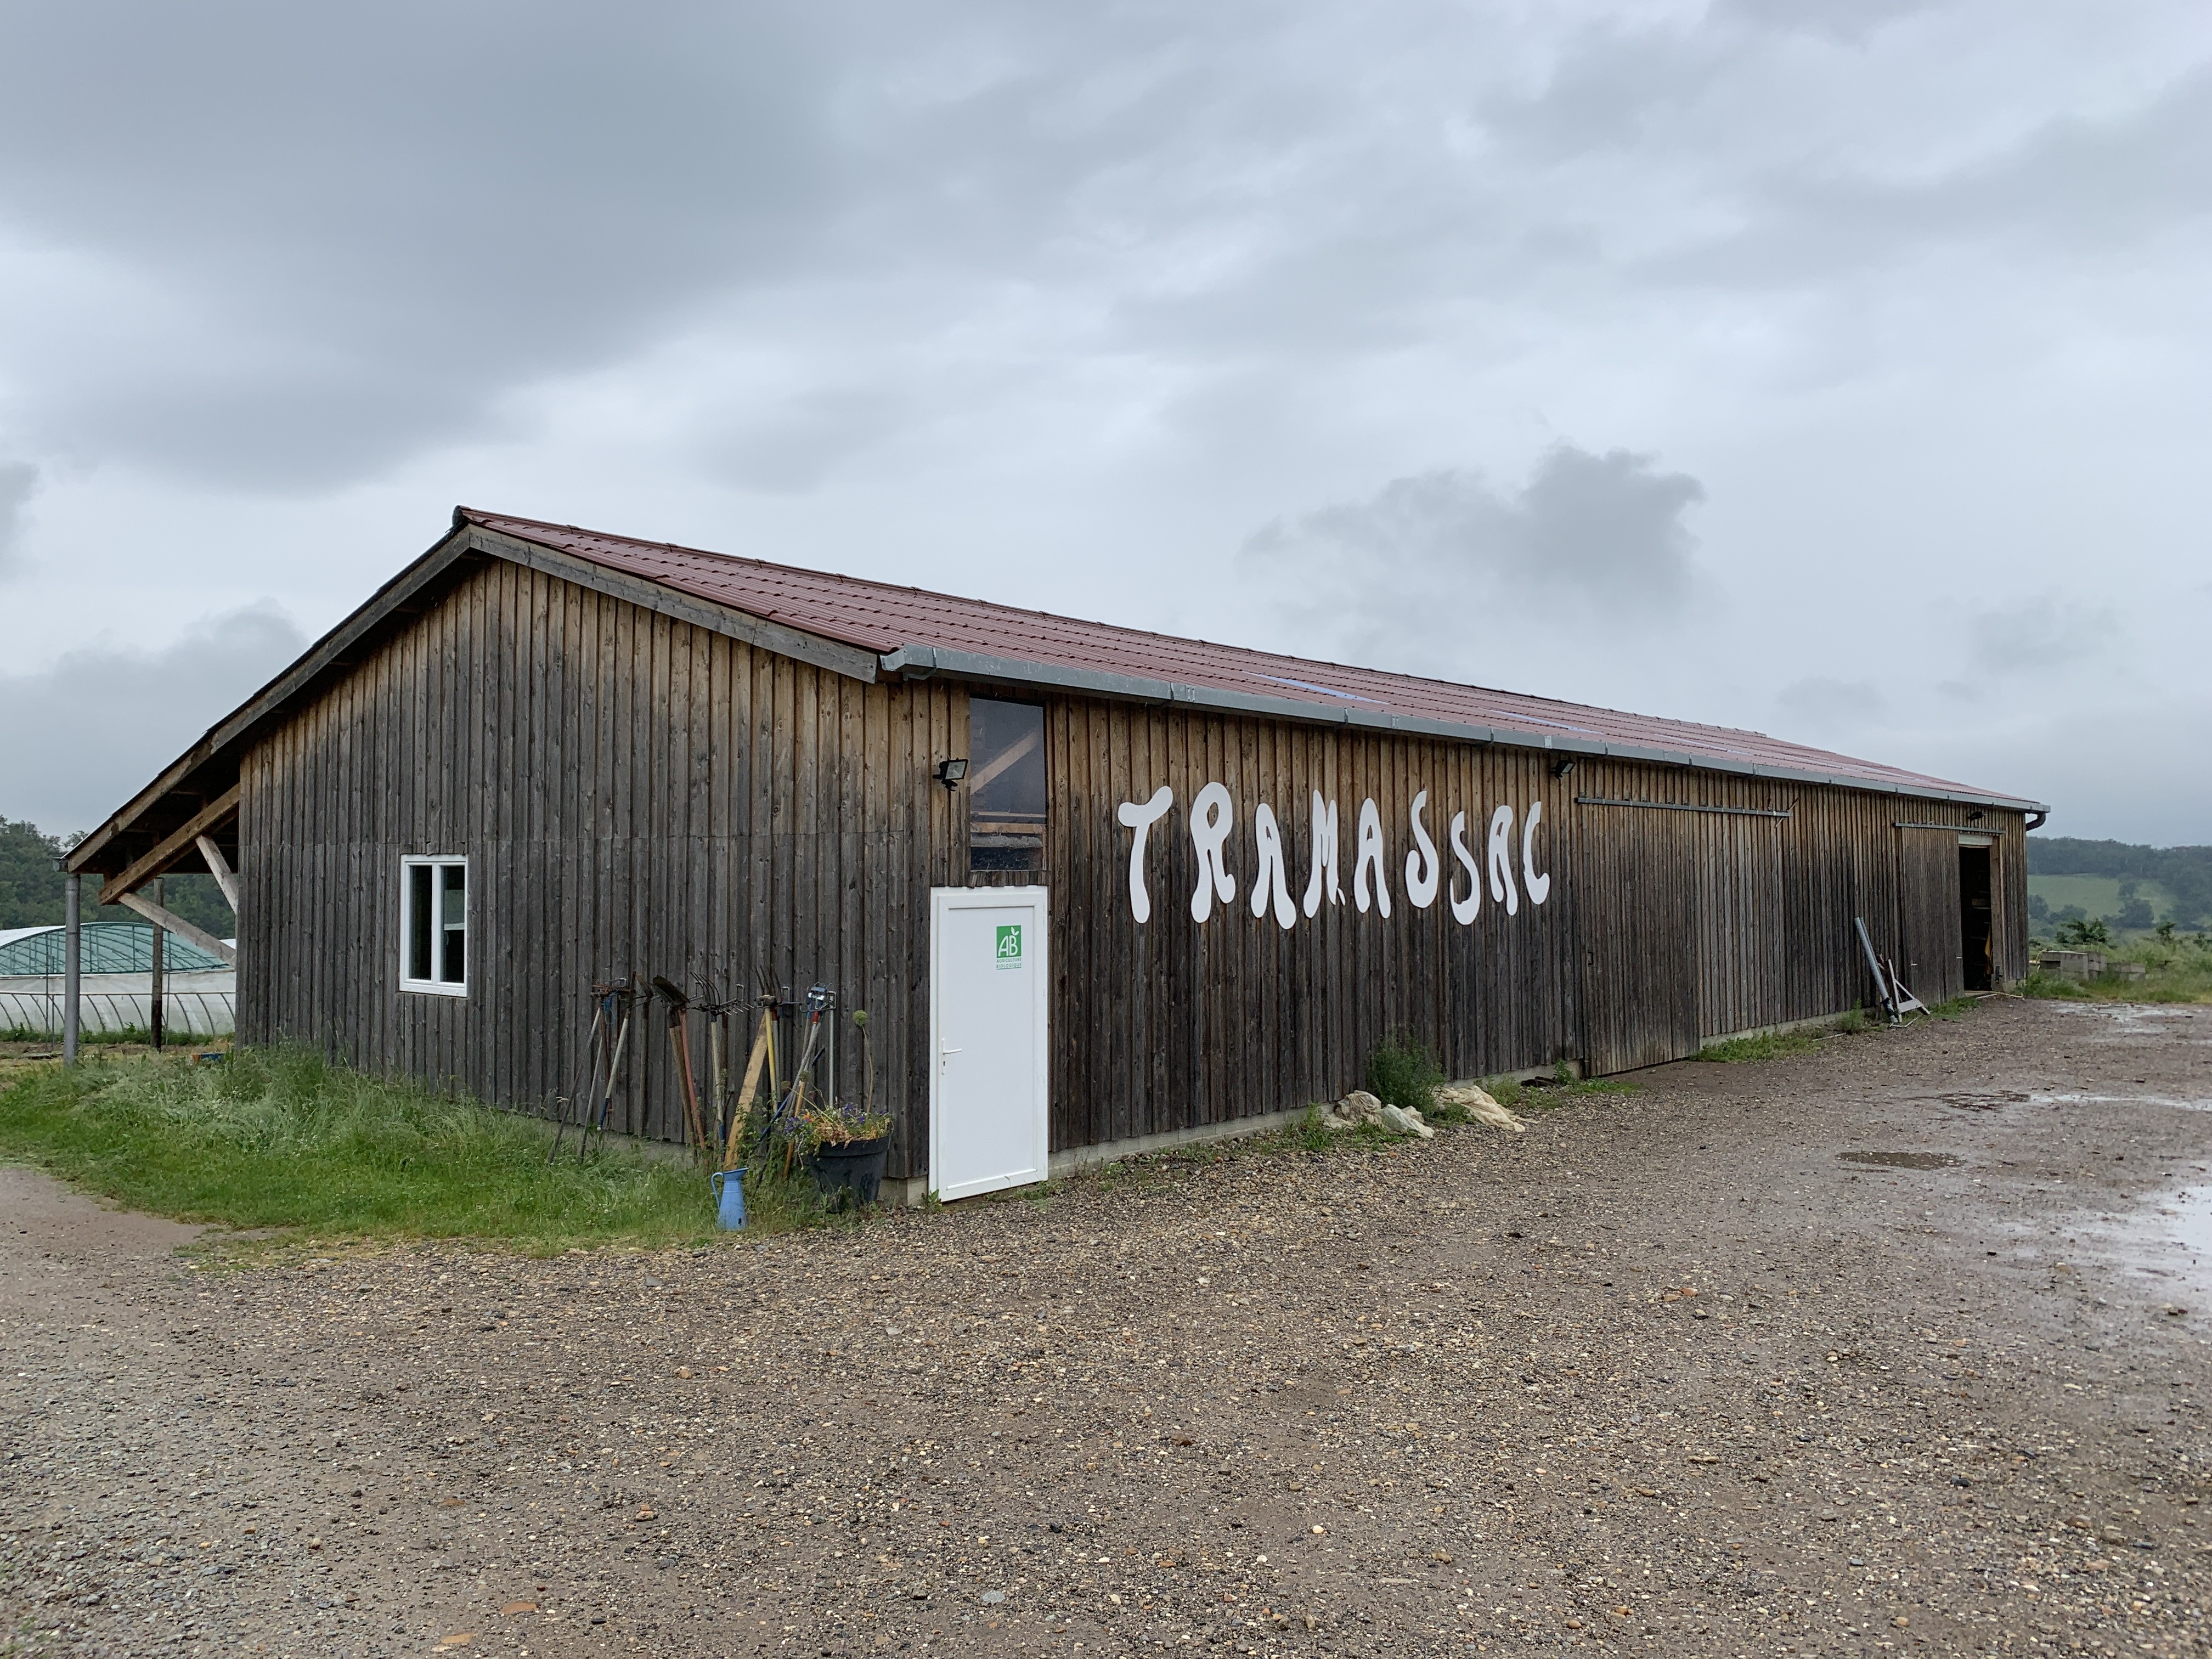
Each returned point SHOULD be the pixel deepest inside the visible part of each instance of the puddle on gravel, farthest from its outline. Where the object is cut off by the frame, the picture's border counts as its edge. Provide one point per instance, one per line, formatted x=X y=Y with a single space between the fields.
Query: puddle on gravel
x=2168 y=1238
x=1904 y=1160
x=2169 y=1021
x=2082 y=1099
x=1991 y=1102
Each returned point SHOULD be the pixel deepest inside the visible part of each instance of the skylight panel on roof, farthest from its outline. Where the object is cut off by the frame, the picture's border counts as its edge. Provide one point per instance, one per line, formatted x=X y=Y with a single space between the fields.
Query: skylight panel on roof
x=1530 y=719
x=1325 y=691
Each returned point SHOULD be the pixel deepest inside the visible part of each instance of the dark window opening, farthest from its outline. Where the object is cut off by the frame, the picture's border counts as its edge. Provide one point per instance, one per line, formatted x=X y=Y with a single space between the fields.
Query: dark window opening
x=1006 y=785
x=1977 y=929
x=453 y=923
x=419 y=877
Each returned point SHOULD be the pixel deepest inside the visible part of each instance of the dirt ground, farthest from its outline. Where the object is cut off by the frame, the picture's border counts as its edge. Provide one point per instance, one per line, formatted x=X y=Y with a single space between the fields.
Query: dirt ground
x=1445 y=1398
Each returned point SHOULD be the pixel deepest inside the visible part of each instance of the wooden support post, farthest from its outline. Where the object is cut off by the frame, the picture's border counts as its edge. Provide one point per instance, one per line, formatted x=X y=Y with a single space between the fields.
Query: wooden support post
x=72 y=967
x=219 y=866
x=154 y=1010
x=177 y=924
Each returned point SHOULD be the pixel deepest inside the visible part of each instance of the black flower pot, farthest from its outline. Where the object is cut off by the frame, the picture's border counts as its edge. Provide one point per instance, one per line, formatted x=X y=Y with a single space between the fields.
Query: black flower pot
x=856 y=1167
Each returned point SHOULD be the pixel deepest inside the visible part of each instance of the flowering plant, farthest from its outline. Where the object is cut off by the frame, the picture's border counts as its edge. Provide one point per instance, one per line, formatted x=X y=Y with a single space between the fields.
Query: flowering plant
x=840 y=1123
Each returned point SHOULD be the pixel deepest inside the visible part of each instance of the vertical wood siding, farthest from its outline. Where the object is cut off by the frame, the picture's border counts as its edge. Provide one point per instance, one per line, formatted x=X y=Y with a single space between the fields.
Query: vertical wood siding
x=1176 y=1023
x=635 y=796
x=639 y=796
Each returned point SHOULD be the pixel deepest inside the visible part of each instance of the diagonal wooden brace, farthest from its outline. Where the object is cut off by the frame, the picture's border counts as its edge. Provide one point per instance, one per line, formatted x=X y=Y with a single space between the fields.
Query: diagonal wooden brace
x=177 y=924
x=164 y=855
x=219 y=866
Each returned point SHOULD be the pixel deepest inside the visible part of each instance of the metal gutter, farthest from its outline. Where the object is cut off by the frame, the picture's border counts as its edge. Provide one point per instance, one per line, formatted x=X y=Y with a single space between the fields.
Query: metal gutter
x=916 y=661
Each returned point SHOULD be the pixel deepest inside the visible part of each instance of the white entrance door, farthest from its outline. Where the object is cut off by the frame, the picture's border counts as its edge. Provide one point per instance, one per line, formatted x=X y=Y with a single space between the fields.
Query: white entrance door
x=988 y=1099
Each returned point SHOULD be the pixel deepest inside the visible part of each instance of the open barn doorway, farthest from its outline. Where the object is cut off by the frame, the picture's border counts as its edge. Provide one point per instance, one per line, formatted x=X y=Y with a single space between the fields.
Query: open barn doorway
x=1976 y=934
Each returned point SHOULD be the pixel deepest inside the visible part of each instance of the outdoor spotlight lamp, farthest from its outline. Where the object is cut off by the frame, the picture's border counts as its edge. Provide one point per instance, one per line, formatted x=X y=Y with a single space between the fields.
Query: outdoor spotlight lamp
x=949 y=772
x=1562 y=766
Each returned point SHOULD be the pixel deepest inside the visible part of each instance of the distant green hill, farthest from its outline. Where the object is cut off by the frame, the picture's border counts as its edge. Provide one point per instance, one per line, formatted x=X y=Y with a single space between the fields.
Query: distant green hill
x=31 y=891
x=2133 y=887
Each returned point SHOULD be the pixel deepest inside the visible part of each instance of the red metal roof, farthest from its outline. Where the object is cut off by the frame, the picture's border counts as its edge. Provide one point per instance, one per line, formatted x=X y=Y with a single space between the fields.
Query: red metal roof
x=883 y=618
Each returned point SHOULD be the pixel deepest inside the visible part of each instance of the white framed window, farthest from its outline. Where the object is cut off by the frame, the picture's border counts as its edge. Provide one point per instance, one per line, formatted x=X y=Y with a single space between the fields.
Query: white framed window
x=434 y=925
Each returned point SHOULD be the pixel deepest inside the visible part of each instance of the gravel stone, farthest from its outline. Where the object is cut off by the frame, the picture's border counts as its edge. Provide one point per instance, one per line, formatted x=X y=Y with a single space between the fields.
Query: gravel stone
x=1665 y=1373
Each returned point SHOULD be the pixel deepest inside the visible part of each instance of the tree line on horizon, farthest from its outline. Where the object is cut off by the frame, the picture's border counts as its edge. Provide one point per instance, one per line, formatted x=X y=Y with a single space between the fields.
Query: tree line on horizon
x=32 y=894
x=2186 y=873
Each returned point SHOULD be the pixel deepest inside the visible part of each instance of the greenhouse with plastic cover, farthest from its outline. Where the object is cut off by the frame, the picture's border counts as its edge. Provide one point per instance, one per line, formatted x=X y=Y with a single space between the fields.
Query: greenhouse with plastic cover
x=198 y=990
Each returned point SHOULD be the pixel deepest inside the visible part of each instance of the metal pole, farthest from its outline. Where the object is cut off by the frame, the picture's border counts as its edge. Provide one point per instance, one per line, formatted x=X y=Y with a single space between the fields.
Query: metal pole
x=72 y=966
x=155 y=1011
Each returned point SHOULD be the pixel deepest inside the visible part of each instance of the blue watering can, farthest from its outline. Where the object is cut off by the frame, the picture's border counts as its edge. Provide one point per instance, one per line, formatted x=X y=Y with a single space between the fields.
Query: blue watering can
x=729 y=1200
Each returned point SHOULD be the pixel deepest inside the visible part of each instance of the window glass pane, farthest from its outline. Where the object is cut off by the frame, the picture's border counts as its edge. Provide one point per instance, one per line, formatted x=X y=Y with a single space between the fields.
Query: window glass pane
x=1006 y=786
x=453 y=965
x=418 y=920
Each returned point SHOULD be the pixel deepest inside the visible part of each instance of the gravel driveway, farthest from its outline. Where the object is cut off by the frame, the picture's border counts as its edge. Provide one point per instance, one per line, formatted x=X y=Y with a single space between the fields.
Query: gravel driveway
x=1691 y=1369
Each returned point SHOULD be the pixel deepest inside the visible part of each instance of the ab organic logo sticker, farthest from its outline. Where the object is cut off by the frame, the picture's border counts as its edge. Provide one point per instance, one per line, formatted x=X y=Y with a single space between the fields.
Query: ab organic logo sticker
x=1010 y=946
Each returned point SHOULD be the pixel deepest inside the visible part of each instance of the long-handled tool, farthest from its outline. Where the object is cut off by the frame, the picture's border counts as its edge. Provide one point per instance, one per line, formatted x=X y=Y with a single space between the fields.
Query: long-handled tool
x=763 y=1050
x=717 y=1110
x=679 y=1034
x=579 y=1098
x=821 y=1005
x=619 y=995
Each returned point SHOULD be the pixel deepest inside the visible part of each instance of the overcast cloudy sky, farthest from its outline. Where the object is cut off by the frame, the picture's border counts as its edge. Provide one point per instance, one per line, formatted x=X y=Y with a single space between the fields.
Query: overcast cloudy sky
x=1837 y=368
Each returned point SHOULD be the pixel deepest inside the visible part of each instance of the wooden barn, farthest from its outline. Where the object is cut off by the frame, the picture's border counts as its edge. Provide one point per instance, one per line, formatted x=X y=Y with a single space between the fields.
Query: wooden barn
x=1094 y=888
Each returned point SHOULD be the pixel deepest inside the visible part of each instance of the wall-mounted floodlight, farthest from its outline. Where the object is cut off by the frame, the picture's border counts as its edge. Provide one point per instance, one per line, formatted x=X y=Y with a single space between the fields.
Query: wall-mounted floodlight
x=1562 y=766
x=1974 y=816
x=949 y=772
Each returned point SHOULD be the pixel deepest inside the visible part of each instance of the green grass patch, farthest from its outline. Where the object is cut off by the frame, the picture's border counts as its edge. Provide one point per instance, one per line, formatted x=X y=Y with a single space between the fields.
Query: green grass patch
x=2176 y=970
x=1779 y=1045
x=123 y=1036
x=1769 y=1045
x=277 y=1139
x=1543 y=1094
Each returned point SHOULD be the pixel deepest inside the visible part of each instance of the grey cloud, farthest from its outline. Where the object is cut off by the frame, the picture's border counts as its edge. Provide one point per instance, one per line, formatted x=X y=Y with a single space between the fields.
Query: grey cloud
x=2089 y=760
x=1601 y=536
x=2042 y=633
x=1851 y=21
x=1611 y=87
x=795 y=445
x=19 y=482
x=304 y=244
x=363 y=226
x=333 y=239
x=1825 y=706
x=79 y=737
x=2084 y=187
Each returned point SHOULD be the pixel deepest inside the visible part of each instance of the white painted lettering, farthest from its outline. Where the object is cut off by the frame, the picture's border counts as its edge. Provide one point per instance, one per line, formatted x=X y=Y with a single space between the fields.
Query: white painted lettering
x=1464 y=909
x=1540 y=887
x=1141 y=819
x=1273 y=876
x=1212 y=816
x=1422 y=869
x=1370 y=856
x=1324 y=855
x=1501 y=860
